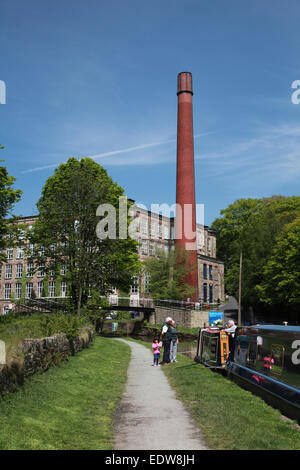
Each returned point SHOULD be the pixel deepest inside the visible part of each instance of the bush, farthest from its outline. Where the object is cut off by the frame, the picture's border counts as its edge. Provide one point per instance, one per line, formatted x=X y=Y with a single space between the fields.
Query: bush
x=61 y=323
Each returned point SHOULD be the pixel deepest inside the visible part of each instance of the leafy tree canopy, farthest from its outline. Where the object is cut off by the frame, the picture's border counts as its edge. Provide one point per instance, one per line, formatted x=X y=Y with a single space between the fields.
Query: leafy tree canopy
x=281 y=274
x=65 y=233
x=251 y=226
x=167 y=273
x=8 y=197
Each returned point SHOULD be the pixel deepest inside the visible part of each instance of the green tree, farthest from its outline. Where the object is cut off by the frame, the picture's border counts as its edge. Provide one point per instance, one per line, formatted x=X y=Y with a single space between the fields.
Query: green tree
x=65 y=232
x=281 y=275
x=167 y=273
x=97 y=309
x=8 y=197
x=251 y=226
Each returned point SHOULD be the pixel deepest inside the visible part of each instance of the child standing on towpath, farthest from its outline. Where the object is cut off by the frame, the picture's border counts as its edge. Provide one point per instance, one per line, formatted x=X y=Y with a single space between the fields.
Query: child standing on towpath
x=156 y=346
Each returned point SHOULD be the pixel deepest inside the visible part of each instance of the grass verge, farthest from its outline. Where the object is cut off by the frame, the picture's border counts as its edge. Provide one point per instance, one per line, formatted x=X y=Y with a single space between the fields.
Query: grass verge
x=15 y=328
x=229 y=417
x=71 y=406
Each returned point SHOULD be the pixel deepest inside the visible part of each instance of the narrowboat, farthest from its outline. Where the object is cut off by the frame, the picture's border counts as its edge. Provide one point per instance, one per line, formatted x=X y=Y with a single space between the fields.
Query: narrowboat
x=266 y=360
x=212 y=347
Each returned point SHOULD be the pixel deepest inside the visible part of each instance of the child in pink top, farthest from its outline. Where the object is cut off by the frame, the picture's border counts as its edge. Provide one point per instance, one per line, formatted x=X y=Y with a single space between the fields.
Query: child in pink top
x=156 y=346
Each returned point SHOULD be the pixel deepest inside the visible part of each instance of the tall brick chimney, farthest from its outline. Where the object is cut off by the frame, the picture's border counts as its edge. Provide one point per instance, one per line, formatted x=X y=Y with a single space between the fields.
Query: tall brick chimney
x=185 y=223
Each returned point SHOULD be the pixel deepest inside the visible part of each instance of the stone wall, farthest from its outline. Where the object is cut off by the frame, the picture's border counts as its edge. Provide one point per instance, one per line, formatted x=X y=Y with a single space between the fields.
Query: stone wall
x=183 y=318
x=37 y=355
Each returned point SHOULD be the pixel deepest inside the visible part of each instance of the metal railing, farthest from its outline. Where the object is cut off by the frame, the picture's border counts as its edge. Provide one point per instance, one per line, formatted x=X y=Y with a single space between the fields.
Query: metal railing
x=114 y=300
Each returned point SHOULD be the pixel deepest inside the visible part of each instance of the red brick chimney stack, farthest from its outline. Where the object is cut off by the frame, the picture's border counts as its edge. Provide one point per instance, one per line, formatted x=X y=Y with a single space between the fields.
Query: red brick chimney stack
x=185 y=225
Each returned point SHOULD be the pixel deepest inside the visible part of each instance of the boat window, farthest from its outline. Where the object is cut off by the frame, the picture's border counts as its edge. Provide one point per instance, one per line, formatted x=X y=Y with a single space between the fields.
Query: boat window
x=241 y=349
x=210 y=348
x=213 y=346
x=277 y=351
x=252 y=352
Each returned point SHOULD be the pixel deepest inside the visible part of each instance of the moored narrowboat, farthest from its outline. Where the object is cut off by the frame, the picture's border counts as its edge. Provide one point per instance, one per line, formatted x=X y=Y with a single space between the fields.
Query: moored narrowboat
x=266 y=360
x=212 y=347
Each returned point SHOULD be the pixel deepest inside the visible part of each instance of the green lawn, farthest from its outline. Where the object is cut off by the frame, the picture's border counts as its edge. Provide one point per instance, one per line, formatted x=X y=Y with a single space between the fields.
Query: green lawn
x=70 y=406
x=230 y=417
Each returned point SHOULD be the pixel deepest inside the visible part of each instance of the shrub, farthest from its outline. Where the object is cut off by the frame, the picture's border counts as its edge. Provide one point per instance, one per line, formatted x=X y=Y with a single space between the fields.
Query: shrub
x=60 y=323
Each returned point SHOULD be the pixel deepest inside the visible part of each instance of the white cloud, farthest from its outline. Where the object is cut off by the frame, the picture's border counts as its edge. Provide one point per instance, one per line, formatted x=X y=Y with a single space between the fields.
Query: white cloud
x=274 y=153
x=133 y=159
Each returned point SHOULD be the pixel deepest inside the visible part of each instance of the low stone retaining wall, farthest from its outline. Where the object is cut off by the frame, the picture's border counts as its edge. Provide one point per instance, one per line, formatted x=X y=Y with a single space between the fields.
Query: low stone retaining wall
x=37 y=355
x=184 y=318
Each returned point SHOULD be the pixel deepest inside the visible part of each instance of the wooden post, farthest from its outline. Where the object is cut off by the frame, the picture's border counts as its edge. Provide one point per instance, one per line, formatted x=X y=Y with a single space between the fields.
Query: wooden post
x=240 y=291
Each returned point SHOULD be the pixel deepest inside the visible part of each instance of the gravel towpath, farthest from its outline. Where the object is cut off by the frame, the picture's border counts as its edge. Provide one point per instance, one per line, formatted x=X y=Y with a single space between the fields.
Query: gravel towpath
x=150 y=416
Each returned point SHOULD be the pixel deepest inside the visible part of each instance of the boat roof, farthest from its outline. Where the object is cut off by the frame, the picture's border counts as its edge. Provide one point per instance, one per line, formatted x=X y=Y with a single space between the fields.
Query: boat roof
x=212 y=330
x=277 y=327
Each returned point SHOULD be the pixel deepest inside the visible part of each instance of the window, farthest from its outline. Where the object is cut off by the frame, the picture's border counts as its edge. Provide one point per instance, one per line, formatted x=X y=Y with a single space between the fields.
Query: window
x=30 y=270
x=40 y=289
x=63 y=289
x=21 y=234
x=211 y=297
x=19 y=271
x=144 y=223
x=210 y=348
x=153 y=229
x=29 y=290
x=147 y=282
x=204 y=292
x=172 y=233
x=166 y=248
x=41 y=251
x=20 y=252
x=41 y=270
x=51 y=289
x=0 y=271
x=204 y=271
x=209 y=244
x=151 y=247
x=144 y=247
x=18 y=289
x=9 y=253
x=7 y=291
x=63 y=269
x=160 y=231
x=252 y=353
x=210 y=269
x=8 y=271
x=277 y=351
x=135 y=285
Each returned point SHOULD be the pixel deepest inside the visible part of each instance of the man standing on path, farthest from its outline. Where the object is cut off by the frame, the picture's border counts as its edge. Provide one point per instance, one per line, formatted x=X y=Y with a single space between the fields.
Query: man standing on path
x=166 y=338
x=174 y=342
x=230 y=330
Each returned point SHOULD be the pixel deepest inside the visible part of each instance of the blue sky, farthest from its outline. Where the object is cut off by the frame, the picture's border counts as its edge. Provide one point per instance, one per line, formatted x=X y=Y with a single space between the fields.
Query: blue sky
x=98 y=79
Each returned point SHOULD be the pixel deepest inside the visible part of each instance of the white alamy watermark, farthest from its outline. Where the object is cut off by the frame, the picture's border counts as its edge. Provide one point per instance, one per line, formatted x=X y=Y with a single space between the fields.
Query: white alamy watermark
x=2 y=353
x=2 y=92
x=296 y=354
x=114 y=223
x=295 y=98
